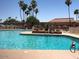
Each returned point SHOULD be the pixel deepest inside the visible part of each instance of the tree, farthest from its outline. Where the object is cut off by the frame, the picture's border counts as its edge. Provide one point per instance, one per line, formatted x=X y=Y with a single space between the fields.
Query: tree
x=31 y=20
x=23 y=6
x=76 y=12
x=27 y=12
x=30 y=8
x=36 y=11
x=33 y=5
x=23 y=22
x=0 y=19
x=9 y=18
x=68 y=3
x=20 y=5
x=10 y=21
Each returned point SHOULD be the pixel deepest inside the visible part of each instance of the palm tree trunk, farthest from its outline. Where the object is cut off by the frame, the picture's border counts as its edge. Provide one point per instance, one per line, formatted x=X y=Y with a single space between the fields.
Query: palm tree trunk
x=76 y=17
x=69 y=16
x=35 y=15
x=20 y=15
x=23 y=15
x=33 y=12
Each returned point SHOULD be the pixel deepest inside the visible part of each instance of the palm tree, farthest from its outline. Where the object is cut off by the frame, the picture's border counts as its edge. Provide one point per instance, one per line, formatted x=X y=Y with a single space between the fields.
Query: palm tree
x=76 y=12
x=33 y=5
x=30 y=8
x=9 y=18
x=36 y=11
x=0 y=20
x=68 y=3
x=20 y=14
x=27 y=12
x=23 y=6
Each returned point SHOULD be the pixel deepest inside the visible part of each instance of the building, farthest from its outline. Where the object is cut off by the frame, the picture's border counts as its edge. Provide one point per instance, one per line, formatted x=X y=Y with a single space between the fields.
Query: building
x=64 y=22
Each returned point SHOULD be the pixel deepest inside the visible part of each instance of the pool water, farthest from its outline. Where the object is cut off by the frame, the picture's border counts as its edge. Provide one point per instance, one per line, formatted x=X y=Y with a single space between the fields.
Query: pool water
x=13 y=40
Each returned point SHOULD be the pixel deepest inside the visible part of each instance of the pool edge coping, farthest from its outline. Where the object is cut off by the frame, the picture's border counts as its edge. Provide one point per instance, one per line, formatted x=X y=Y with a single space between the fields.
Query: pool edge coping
x=66 y=34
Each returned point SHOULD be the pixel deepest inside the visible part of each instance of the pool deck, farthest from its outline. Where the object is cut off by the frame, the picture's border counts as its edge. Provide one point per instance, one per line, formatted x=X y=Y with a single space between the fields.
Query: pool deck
x=38 y=54
x=63 y=33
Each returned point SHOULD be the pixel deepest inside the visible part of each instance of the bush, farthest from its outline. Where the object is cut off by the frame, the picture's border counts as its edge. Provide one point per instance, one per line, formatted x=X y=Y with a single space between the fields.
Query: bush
x=31 y=20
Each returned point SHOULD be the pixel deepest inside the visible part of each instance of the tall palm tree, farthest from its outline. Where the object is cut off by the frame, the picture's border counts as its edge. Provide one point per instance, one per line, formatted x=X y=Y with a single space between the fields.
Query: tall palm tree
x=29 y=9
x=20 y=14
x=36 y=11
x=68 y=3
x=27 y=12
x=33 y=4
x=0 y=20
x=23 y=6
x=21 y=3
x=76 y=12
x=9 y=18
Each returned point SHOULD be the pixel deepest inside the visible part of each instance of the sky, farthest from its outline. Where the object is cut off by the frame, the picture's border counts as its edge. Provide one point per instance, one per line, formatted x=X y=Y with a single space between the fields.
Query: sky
x=48 y=9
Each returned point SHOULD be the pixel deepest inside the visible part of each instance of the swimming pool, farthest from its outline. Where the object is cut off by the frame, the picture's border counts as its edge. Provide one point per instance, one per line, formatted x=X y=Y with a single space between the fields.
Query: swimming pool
x=13 y=40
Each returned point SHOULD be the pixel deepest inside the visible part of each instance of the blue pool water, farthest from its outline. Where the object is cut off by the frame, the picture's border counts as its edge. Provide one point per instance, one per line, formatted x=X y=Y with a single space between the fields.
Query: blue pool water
x=13 y=40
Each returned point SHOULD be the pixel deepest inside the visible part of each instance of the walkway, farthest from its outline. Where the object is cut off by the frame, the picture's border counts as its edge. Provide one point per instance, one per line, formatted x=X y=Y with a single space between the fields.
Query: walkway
x=38 y=54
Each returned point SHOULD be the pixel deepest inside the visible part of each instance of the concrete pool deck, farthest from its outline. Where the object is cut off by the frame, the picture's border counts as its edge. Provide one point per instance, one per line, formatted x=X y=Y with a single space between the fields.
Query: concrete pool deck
x=63 y=33
x=38 y=54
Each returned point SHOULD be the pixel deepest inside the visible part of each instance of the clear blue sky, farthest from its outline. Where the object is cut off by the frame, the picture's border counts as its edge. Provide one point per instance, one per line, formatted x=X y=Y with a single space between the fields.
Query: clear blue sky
x=48 y=9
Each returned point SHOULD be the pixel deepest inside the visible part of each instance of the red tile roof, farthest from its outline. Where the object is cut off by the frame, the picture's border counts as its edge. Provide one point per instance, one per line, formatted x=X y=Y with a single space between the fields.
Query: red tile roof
x=62 y=20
